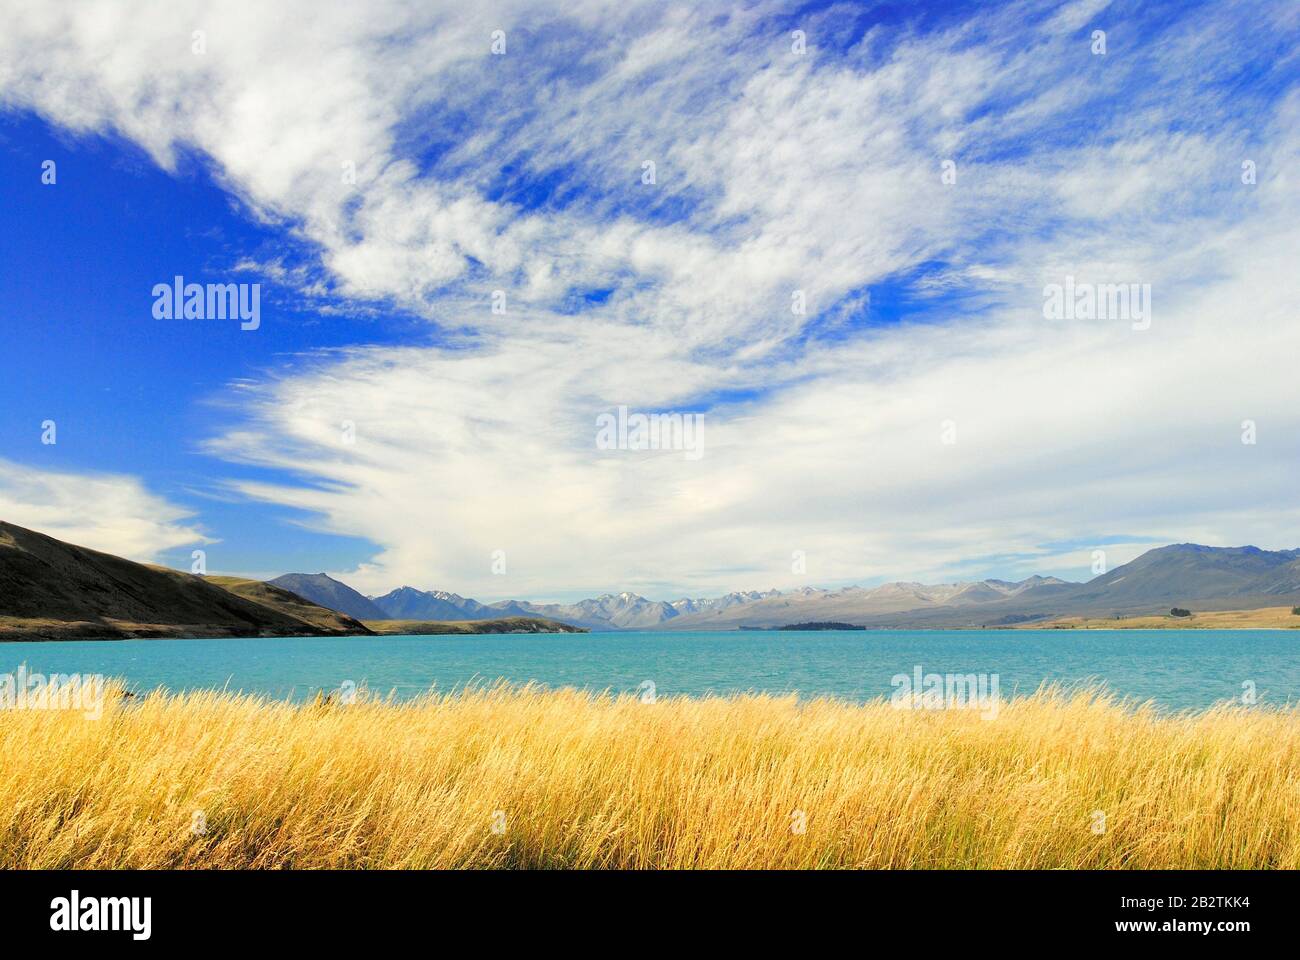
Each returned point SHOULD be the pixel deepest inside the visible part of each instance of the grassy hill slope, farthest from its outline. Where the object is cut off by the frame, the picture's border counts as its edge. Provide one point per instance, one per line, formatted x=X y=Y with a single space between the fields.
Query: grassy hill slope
x=51 y=590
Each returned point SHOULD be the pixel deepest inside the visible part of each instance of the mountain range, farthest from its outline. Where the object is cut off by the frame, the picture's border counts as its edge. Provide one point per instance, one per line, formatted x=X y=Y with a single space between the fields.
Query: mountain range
x=1183 y=575
x=55 y=590
x=52 y=590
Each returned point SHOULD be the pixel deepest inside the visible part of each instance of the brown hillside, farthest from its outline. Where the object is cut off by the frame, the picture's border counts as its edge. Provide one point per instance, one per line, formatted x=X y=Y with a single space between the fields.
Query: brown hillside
x=55 y=590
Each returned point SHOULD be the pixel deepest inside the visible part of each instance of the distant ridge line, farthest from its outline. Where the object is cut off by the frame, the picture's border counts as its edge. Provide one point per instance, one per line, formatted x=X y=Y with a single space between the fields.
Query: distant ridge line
x=1185 y=575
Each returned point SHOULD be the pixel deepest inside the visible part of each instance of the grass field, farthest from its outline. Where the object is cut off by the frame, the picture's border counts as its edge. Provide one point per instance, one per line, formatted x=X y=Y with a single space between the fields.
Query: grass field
x=528 y=778
x=1265 y=618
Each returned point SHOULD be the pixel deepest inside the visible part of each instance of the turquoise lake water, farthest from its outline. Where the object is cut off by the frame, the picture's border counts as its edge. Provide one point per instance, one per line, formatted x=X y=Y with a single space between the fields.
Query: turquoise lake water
x=1176 y=668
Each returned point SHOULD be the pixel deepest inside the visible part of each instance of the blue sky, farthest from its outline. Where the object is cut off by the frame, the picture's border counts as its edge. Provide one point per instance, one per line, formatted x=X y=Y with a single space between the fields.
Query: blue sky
x=130 y=394
x=919 y=418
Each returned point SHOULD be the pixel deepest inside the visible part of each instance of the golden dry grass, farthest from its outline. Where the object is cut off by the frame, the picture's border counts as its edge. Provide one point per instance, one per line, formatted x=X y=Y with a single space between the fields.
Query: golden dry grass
x=595 y=781
x=1265 y=618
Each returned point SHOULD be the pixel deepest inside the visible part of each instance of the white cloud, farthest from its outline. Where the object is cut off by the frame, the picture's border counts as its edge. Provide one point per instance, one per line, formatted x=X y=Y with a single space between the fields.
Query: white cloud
x=107 y=512
x=776 y=173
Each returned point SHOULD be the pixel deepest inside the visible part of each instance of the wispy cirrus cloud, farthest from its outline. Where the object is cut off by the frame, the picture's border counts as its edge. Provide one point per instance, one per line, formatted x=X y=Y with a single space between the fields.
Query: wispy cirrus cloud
x=776 y=174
